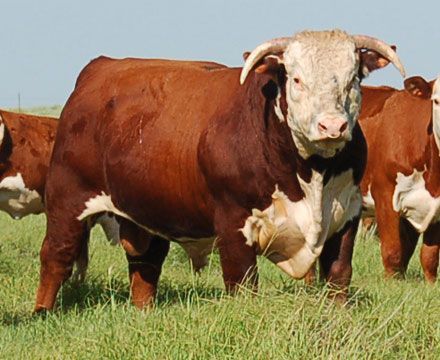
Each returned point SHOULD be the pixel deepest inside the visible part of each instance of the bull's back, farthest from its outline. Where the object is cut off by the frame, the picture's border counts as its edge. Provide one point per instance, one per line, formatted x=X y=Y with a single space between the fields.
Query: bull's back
x=142 y=121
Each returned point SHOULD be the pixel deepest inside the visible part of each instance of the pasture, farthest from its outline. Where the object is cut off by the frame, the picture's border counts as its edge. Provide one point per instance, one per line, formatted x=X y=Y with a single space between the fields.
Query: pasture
x=194 y=319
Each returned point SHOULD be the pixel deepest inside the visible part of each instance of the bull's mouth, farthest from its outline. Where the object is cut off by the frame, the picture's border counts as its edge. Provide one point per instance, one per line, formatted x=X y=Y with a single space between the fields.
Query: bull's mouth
x=329 y=146
x=320 y=144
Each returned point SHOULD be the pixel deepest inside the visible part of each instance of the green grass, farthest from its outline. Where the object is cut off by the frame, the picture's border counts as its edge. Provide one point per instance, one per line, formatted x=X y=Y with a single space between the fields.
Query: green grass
x=194 y=319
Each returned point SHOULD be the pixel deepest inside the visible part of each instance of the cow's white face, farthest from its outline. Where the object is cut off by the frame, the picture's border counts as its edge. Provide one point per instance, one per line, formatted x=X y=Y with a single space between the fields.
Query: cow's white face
x=435 y=97
x=322 y=91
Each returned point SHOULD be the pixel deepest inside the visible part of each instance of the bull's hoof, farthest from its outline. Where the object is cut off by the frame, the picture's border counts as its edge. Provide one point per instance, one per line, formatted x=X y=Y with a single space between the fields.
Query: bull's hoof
x=40 y=311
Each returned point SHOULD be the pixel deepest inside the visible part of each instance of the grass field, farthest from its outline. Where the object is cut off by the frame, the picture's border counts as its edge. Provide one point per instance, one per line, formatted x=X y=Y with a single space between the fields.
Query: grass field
x=194 y=319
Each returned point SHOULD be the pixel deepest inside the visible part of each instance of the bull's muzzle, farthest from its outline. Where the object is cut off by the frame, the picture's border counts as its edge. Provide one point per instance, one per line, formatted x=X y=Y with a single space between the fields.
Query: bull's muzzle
x=332 y=127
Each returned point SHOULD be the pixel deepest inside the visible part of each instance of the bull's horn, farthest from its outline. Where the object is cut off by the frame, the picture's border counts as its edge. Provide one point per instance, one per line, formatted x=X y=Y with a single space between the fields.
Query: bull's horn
x=371 y=43
x=269 y=47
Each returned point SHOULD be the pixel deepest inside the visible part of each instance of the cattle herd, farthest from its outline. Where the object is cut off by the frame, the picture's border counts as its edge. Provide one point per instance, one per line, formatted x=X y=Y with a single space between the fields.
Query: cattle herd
x=277 y=158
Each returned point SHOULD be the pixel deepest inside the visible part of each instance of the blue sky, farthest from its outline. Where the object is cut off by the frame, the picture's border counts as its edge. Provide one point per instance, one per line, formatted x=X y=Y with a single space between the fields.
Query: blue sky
x=45 y=43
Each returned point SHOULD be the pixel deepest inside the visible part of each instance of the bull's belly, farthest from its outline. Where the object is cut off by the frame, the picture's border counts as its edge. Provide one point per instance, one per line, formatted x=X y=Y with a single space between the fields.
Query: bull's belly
x=197 y=248
x=17 y=200
x=412 y=201
x=292 y=234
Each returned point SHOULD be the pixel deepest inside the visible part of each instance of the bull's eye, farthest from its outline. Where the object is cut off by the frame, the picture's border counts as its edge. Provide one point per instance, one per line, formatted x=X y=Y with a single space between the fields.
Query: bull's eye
x=296 y=80
x=436 y=101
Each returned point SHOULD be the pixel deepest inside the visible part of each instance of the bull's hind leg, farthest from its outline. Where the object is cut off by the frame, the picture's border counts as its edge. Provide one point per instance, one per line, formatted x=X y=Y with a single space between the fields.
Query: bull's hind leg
x=66 y=237
x=429 y=254
x=145 y=255
x=335 y=260
x=62 y=246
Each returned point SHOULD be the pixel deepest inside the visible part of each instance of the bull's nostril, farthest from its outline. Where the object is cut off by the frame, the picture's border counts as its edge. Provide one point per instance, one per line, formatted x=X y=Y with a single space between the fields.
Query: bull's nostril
x=322 y=127
x=343 y=127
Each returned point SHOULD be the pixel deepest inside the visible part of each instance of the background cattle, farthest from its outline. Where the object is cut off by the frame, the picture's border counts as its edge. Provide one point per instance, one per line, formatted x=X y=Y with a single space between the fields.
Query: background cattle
x=402 y=180
x=183 y=152
x=26 y=143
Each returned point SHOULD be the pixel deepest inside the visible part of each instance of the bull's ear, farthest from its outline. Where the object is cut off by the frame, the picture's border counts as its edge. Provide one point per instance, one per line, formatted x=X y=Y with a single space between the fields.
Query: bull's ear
x=371 y=60
x=270 y=64
x=418 y=86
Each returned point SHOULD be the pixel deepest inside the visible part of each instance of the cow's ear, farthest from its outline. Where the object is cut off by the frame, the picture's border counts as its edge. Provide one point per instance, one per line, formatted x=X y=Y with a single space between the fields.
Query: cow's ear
x=418 y=86
x=270 y=64
x=371 y=60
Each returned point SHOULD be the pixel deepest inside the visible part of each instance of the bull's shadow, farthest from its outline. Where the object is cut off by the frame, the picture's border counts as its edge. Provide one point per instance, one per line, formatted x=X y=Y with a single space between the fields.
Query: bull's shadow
x=357 y=296
x=93 y=292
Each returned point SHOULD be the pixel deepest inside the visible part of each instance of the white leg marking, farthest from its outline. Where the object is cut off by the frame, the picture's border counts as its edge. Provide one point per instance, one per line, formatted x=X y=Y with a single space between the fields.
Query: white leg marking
x=101 y=203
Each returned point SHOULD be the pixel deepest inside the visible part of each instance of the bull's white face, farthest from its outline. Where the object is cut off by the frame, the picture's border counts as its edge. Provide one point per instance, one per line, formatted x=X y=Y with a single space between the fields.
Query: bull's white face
x=436 y=111
x=322 y=91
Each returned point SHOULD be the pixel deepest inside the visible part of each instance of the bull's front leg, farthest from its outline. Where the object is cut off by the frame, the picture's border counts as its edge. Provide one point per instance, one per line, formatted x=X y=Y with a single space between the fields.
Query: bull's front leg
x=335 y=259
x=238 y=259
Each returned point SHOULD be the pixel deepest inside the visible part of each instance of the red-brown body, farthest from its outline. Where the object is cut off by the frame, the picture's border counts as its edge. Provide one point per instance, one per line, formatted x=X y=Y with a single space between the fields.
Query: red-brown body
x=25 y=151
x=398 y=127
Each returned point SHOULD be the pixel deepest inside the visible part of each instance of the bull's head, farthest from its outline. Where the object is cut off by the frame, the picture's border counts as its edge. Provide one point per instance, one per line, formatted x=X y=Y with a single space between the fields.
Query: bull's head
x=322 y=72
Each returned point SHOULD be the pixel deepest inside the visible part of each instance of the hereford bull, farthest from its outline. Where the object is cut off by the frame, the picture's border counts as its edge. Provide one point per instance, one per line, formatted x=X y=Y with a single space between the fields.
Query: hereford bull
x=265 y=162
x=402 y=180
x=26 y=143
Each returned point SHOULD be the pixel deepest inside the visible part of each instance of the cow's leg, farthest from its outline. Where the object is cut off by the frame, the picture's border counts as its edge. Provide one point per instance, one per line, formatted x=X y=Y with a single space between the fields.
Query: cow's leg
x=62 y=246
x=145 y=255
x=429 y=254
x=238 y=260
x=409 y=237
x=389 y=225
x=335 y=259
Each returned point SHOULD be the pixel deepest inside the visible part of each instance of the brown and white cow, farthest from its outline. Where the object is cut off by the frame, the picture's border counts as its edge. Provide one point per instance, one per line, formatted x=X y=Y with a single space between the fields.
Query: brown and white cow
x=402 y=180
x=265 y=162
x=26 y=143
